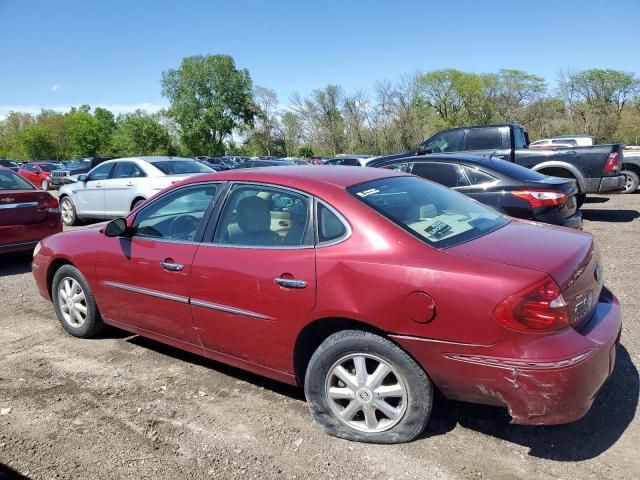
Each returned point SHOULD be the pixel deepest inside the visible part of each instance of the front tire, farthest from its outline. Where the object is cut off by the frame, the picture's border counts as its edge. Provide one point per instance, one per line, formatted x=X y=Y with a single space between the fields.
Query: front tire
x=74 y=303
x=362 y=387
x=68 y=212
x=632 y=180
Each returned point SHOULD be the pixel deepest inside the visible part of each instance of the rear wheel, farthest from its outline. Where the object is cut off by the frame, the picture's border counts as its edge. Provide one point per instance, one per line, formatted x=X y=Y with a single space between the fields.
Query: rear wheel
x=632 y=180
x=74 y=303
x=137 y=203
x=68 y=212
x=362 y=387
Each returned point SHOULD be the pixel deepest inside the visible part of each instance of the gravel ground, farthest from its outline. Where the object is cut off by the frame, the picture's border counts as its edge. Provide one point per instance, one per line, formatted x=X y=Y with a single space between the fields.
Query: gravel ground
x=126 y=407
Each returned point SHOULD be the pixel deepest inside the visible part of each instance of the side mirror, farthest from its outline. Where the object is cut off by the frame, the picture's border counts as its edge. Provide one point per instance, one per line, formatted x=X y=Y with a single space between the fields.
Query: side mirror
x=117 y=228
x=83 y=178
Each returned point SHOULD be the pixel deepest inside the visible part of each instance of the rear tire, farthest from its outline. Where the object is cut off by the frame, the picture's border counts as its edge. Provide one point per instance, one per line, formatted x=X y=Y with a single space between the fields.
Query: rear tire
x=137 y=203
x=74 y=303
x=68 y=212
x=632 y=180
x=351 y=398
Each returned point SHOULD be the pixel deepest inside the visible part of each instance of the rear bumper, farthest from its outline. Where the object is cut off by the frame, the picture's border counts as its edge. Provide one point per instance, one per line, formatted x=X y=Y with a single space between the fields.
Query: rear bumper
x=538 y=384
x=604 y=184
x=573 y=221
x=16 y=238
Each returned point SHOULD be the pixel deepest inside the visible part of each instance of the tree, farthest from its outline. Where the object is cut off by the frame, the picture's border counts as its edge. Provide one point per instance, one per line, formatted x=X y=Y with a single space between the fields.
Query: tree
x=84 y=134
x=291 y=128
x=265 y=122
x=140 y=134
x=305 y=151
x=510 y=91
x=209 y=98
x=36 y=142
x=107 y=124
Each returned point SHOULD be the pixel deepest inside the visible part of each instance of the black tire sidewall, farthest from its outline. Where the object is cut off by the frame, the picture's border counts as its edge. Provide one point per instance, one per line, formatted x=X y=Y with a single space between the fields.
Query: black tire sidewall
x=93 y=323
x=415 y=379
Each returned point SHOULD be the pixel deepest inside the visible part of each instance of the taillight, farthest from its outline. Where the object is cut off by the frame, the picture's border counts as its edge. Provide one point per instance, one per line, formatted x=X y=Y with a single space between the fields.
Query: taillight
x=613 y=163
x=540 y=308
x=542 y=198
x=48 y=204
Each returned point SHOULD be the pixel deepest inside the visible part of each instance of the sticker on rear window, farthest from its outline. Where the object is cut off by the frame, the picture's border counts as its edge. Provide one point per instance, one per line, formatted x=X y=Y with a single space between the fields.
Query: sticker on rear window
x=438 y=229
x=366 y=193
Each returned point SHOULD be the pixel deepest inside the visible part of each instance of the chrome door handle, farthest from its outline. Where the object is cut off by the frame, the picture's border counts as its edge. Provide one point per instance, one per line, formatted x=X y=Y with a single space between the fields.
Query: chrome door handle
x=130 y=184
x=290 y=282
x=172 y=267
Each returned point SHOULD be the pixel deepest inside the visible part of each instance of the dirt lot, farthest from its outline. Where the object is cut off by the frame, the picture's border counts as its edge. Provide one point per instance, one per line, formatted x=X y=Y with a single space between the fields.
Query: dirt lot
x=127 y=407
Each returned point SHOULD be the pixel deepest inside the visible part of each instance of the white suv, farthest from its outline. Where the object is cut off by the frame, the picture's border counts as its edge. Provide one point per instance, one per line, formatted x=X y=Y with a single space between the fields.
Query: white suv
x=114 y=188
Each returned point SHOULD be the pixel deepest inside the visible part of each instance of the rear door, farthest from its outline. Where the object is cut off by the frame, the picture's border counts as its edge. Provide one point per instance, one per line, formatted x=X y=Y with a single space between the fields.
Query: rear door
x=252 y=283
x=120 y=188
x=488 y=141
x=90 y=194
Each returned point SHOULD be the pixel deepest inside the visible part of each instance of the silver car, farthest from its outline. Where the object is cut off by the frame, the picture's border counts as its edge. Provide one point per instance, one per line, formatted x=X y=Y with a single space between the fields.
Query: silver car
x=114 y=188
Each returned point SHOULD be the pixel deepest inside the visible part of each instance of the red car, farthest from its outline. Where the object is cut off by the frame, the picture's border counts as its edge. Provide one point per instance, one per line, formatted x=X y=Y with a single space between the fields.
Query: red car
x=39 y=173
x=27 y=215
x=367 y=286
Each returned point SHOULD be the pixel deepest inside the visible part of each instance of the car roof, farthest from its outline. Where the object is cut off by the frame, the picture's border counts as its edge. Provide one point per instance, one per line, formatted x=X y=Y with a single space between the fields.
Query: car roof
x=153 y=159
x=312 y=178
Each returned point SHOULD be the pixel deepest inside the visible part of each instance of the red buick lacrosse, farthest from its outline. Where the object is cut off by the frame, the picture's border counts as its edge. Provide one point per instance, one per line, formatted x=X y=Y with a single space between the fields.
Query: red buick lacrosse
x=368 y=287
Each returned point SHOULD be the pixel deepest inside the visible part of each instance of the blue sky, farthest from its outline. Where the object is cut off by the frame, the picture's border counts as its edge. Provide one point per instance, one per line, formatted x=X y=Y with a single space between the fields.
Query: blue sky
x=62 y=53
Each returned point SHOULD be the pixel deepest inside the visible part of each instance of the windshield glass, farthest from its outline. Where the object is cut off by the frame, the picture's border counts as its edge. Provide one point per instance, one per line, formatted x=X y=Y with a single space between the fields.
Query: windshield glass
x=9 y=163
x=178 y=167
x=50 y=167
x=12 y=181
x=438 y=216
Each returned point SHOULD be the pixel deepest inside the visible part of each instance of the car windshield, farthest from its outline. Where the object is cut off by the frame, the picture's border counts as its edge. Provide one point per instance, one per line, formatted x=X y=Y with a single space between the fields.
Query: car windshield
x=178 y=167
x=8 y=163
x=436 y=215
x=50 y=167
x=11 y=181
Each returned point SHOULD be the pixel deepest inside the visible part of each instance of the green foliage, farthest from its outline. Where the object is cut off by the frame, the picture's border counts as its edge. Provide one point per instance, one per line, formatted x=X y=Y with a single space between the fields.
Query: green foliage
x=36 y=143
x=84 y=134
x=305 y=151
x=209 y=99
x=140 y=134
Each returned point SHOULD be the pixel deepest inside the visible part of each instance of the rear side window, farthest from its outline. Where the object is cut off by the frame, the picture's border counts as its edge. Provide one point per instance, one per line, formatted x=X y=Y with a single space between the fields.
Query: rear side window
x=330 y=227
x=446 y=174
x=127 y=170
x=477 y=176
x=178 y=167
x=484 y=139
x=11 y=181
x=434 y=214
x=520 y=140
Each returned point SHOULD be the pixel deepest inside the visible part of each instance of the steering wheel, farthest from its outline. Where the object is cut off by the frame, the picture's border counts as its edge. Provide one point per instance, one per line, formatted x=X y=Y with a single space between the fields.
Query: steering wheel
x=183 y=227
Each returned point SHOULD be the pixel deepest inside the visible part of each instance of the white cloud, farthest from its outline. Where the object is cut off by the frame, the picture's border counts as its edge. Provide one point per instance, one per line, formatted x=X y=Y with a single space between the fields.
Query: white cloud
x=116 y=108
x=55 y=88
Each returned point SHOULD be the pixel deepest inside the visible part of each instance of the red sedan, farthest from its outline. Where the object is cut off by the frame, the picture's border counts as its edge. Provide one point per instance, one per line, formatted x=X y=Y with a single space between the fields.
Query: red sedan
x=27 y=215
x=367 y=286
x=39 y=173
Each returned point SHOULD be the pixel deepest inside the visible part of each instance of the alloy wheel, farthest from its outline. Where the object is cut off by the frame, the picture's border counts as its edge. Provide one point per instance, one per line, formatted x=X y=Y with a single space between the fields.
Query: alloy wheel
x=366 y=393
x=66 y=210
x=72 y=302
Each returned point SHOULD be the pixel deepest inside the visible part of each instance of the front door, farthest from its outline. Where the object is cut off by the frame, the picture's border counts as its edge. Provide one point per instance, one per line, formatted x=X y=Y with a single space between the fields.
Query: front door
x=144 y=279
x=257 y=277
x=90 y=194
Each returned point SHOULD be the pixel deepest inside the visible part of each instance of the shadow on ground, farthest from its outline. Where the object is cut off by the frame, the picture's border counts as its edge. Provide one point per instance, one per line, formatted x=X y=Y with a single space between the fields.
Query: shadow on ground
x=612 y=411
x=596 y=199
x=8 y=473
x=15 y=264
x=616 y=216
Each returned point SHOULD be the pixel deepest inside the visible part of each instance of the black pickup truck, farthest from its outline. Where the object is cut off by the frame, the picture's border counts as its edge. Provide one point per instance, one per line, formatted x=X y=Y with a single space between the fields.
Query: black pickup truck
x=597 y=169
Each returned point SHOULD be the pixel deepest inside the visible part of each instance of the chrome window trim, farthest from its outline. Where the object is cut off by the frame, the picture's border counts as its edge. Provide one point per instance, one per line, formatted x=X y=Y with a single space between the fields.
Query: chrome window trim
x=18 y=205
x=342 y=219
x=147 y=291
x=6 y=245
x=224 y=308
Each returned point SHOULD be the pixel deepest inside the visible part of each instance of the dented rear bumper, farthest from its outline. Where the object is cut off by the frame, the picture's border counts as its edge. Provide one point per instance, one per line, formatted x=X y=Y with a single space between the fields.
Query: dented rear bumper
x=541 y=379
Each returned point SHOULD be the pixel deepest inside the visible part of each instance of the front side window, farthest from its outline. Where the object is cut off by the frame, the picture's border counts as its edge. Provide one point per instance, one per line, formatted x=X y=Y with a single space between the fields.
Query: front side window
x=127 y=170
x=176 y=215
x=261 y=216
x=446 y=174
x=12 y=181
x=179 y=167
x=102 y=172
x=436 y=215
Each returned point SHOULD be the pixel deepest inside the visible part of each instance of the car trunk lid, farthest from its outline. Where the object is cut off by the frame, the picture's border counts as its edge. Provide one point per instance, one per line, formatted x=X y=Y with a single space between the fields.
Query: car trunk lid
x=567 y=256
x=23 y=207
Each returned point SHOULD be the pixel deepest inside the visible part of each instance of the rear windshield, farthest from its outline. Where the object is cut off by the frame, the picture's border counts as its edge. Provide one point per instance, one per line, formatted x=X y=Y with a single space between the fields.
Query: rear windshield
x=178 y=167
x=517 y=172
x=50 y=167
x=11 y=181
x=438 y=216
